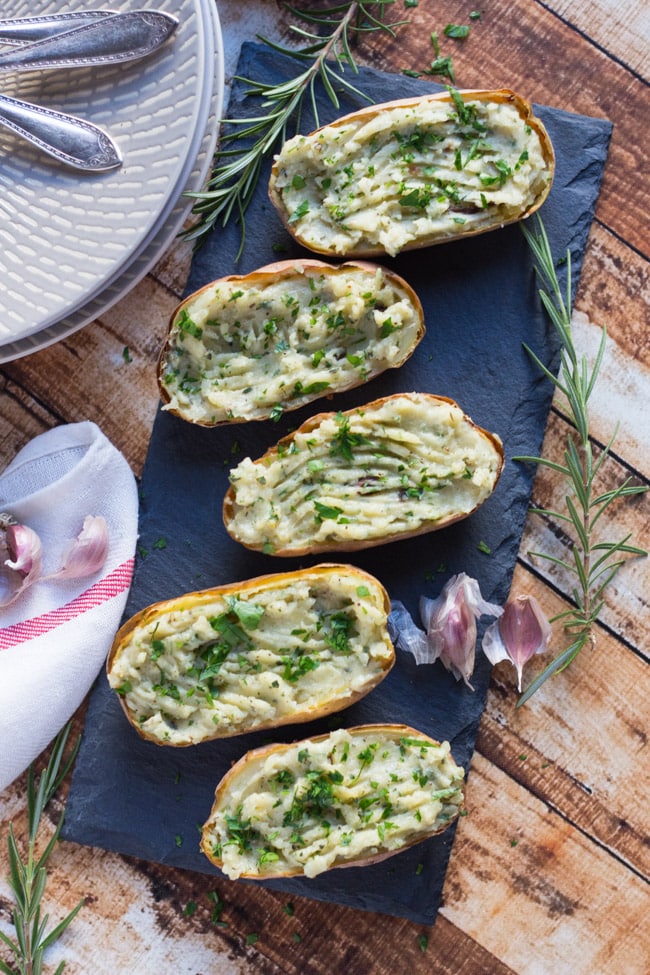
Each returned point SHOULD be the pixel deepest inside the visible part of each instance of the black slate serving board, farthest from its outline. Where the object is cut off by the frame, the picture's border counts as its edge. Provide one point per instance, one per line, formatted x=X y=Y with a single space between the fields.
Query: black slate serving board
x=480 y=301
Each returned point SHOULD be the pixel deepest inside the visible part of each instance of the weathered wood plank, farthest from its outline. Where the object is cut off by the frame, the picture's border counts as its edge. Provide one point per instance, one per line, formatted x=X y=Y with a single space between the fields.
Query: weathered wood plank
x=107 y=371
x=620 y=27
x=614 y=292
x=595 y=705
x=21 y=419
x=537 y=893
x=531 y=50
x=618 y=405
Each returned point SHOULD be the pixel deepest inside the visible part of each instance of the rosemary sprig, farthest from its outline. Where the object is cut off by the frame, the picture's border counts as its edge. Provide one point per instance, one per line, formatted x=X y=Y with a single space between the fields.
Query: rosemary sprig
x=28 y=876
x=249 y=142
x=594 y=563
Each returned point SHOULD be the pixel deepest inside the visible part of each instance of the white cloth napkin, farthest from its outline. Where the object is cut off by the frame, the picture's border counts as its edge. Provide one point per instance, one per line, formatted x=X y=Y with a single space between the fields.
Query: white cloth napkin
x=55 y=637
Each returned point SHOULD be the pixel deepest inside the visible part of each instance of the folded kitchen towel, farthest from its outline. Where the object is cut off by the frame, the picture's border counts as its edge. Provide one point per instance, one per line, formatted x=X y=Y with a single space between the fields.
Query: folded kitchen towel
x=56 y=635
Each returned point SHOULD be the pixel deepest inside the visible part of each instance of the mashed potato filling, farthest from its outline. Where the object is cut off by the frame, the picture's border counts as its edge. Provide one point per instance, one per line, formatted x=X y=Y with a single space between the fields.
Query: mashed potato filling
x=243 y=350
x=309 y=806
x=396 y=467
x=211 y=665
x=428 y=171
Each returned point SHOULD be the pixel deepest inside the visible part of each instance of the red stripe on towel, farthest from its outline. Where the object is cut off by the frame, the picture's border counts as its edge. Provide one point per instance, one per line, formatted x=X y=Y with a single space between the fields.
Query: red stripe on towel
x=110 y=586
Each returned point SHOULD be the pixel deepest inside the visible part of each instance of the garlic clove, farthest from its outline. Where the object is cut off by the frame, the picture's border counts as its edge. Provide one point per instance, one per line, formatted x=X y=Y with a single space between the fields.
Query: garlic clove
x=87 y=553
x=450 y=626
x=520 y=632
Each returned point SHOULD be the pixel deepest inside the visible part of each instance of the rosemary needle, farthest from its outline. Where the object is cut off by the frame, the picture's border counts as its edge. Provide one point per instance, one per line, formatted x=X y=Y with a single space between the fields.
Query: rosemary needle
x=248 y=143
x=593 y=562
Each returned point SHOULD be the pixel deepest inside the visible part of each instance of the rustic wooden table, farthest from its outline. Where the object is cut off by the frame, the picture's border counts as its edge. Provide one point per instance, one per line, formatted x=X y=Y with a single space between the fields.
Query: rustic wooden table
x=549 y=870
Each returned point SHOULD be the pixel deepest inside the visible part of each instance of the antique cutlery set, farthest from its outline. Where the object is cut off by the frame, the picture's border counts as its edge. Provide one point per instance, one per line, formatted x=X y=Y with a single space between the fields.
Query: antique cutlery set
x=71 y=40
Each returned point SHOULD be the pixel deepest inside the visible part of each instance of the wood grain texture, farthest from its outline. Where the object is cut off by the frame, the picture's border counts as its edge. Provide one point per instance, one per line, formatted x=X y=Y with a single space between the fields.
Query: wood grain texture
x=579 y=744
x=621 y=29
x=550 y=867
x=531 y=858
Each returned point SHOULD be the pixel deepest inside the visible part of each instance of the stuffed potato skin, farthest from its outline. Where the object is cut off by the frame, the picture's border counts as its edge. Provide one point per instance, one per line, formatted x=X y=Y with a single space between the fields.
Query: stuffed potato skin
x=397 y=467
x=247 y=346
x=278 y=649
x=349 y=798
x=413 y=172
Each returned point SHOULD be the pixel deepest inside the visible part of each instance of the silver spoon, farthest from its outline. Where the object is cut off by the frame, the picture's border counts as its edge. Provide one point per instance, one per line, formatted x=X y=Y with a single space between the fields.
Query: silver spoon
x=26 y=30
x=110 y=40
x=69 y=139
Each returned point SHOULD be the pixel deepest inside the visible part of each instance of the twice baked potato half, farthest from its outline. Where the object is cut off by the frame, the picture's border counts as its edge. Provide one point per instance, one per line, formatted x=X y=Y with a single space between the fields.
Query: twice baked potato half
x=278 y=649
x=400 y=466
x=248 y=346
x=413 y=172
x=349 y=798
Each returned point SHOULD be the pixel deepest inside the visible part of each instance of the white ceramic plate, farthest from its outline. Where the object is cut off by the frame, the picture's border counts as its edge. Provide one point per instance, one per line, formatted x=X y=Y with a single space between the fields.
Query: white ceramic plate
x=169 y=223
x=68 y=240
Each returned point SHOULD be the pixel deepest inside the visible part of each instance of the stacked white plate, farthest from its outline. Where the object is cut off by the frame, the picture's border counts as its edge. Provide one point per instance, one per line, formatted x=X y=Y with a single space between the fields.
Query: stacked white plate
x=72 y=244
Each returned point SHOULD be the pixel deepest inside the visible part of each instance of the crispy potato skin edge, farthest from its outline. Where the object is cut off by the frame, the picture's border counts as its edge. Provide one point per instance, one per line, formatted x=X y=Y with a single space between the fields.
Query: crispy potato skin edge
x=271 y=274
x=257 y=584
x=310 y=424
x=391 y=731
x=525 y=111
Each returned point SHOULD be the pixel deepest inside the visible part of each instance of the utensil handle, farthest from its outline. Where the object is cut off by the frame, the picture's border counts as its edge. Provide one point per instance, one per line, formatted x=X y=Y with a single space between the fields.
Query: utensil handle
x=67 y=138
x=26 y=30
x=121 y=37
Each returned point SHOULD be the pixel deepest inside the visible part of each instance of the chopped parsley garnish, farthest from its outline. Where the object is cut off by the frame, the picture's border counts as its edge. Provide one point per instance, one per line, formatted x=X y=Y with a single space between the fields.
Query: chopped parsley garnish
x=315 y=800
x=344 y=441
x=325 y=511
x=249 y=614
x=187 y=326
x=417 y=197
x=157 y=648
x=240 y=831
x=503 y=171
x=301 y=211
x=297 y=665
x=444 y=67
x=311 y=389
x=456 y=31
x=338 y=631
